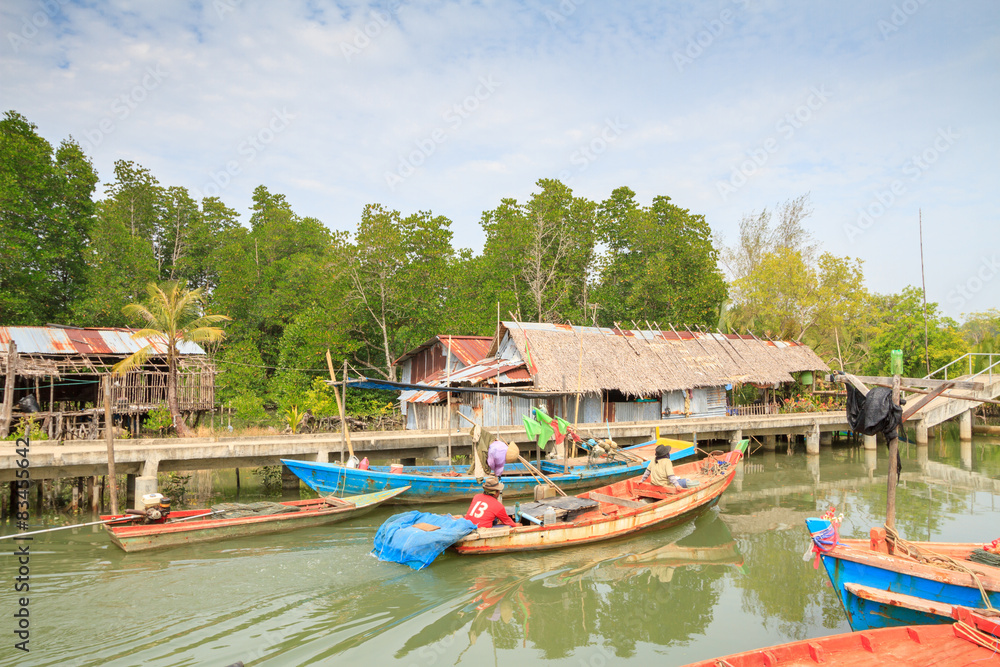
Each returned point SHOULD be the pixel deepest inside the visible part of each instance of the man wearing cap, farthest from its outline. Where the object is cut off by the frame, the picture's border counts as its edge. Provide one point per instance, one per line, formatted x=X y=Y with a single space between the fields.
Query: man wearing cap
x=660 y=470
x=486 y=510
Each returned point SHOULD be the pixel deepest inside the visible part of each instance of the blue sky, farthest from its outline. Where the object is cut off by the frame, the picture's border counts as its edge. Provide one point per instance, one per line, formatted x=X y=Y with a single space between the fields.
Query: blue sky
x=877 y=109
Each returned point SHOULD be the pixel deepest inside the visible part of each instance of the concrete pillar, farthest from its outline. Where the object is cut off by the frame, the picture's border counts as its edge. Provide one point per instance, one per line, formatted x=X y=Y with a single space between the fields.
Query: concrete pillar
x=965 y=425
x=734 y=439
x=812 y=439
x=870 y=442
x=922 y=454
x=826 y=438
x=920 y=432
x=871 y=462
x=323 y=456
x=812 y=465
x=965 y=453
x=770 y=443
x=289 y=480
x=441 y=455
x=143 y=484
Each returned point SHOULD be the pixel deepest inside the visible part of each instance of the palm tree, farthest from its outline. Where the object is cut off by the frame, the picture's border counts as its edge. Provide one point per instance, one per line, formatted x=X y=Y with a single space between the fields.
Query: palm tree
x=174 y=315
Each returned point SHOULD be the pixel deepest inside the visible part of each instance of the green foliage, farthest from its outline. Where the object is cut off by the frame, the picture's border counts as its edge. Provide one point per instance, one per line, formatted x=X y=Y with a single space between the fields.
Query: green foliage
x=45 y=213
x=292 y=417
x=30 y=426
x=370 y=403
x=248 y=410
x=660 y=264
x=159 y=419
x=176 y=487
x=320 y=400
x=270 y=478
x=900 y=326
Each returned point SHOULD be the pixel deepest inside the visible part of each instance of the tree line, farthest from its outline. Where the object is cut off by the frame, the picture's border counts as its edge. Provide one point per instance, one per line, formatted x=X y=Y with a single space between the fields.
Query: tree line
x=295 y=288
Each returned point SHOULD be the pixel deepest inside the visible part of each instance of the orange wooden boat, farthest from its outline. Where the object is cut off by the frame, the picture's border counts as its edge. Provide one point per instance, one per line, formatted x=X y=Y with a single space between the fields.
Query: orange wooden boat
x=184 y=527
x=971 y=640
x=615 y=510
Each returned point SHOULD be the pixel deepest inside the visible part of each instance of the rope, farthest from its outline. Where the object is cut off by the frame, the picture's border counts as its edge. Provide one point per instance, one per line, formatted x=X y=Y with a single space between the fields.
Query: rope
x=977 y=636
x=824 y=541
x=923 y=555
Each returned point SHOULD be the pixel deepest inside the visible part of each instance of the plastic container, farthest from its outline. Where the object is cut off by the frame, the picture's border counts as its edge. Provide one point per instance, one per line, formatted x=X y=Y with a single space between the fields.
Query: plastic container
x=549 y=516
x=364 y=464
x=396 y=468
x=152 y=499
x=896 y=362
x=353 y=462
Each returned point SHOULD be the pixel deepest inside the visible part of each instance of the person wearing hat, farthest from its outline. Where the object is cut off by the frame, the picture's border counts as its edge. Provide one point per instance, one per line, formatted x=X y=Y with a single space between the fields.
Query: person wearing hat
x=660 y=470
x=486 y=510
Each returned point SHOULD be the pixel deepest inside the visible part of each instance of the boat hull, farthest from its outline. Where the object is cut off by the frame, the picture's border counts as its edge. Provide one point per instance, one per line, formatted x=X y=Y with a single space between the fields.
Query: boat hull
x=449 y=484
x=853 y=562
x=921 y=646
x=605 y=524
x=312 y=513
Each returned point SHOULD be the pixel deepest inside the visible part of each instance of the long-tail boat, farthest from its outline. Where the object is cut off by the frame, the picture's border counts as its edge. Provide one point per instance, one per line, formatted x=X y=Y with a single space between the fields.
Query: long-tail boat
x=183 y=527
x=972 y=639
x=450 y=483
x=868 y=575
x=611 y=511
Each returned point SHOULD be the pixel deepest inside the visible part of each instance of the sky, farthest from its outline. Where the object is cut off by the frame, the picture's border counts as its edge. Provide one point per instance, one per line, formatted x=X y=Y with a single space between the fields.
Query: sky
x=883 y=111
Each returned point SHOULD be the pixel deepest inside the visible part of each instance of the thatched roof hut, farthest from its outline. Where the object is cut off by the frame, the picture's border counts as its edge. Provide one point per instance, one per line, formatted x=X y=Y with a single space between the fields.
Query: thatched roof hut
x=640 y=363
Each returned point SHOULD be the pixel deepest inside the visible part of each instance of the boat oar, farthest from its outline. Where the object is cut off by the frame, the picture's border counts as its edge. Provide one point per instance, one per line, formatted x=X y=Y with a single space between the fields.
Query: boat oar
x=198 y=516
x=76 y=525
x=536 y=471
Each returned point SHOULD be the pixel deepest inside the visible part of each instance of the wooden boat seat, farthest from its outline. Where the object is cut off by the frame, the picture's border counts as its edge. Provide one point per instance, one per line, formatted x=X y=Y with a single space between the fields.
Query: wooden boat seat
x=613 y=500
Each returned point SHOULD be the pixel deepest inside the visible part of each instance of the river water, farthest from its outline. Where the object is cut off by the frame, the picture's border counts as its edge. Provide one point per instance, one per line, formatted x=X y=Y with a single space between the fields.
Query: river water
x=732 y=580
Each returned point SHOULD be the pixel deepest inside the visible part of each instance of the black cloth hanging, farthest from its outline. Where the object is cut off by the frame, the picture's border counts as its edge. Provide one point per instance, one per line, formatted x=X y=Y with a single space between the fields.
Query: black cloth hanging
x=874 y=414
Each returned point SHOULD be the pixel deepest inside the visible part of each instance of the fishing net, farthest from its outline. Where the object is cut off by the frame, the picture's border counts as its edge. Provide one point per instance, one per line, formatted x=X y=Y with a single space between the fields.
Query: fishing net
x=262 y=508
x=985 y=557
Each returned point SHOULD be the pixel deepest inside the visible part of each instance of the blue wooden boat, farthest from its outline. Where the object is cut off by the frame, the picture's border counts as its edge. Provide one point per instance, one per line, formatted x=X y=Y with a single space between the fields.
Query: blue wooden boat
x=450 y=483
x=917 y=583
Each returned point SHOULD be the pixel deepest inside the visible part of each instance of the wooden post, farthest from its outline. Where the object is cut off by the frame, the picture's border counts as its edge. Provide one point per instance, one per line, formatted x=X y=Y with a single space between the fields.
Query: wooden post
x=449 y=399
x=8 y=390
x=890 y=503
x=344 y=431
x=109 y=437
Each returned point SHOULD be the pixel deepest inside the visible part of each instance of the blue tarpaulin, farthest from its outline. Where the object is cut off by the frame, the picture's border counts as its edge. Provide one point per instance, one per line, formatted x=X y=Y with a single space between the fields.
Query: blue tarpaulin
x=398 y=541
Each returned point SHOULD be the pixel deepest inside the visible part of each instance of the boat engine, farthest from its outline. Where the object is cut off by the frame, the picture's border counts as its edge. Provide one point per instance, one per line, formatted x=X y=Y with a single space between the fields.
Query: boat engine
x=155 y=508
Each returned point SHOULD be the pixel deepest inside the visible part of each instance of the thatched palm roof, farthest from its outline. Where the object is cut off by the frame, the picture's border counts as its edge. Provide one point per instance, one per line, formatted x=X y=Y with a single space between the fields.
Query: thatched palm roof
x=638 y=363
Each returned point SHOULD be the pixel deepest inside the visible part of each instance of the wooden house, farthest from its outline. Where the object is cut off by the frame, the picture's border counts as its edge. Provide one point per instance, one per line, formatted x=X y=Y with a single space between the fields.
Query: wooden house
x=619 y=375
x=55 y=373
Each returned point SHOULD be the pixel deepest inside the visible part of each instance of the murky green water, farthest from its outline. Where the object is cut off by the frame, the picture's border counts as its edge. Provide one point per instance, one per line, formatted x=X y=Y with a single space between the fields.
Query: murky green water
x=733 y=580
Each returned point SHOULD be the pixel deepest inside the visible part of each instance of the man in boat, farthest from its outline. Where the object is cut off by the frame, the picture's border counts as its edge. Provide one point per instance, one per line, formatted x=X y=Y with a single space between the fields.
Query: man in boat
x=486 y=510
x=660 y=470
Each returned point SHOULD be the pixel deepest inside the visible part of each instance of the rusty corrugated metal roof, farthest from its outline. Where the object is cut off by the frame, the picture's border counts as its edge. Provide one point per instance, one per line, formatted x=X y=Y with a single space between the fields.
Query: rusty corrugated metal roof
x=84 y=341
x=467 y=349
x=473 y=375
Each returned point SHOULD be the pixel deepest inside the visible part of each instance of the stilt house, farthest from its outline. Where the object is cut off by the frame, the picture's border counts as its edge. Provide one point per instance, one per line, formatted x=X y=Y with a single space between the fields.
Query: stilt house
x=618 y=375
x=55 y=373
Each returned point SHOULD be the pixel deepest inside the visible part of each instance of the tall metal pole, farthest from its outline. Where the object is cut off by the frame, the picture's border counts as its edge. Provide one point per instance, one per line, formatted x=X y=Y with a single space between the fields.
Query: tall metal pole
x=890 y=502
x=923 y=285
x=112 y=481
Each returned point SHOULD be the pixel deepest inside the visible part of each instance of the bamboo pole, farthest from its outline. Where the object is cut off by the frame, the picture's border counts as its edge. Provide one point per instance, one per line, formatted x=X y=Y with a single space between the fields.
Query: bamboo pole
x=449 y=400
x=579 y=387
x=344 y=432
x=109 y=437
